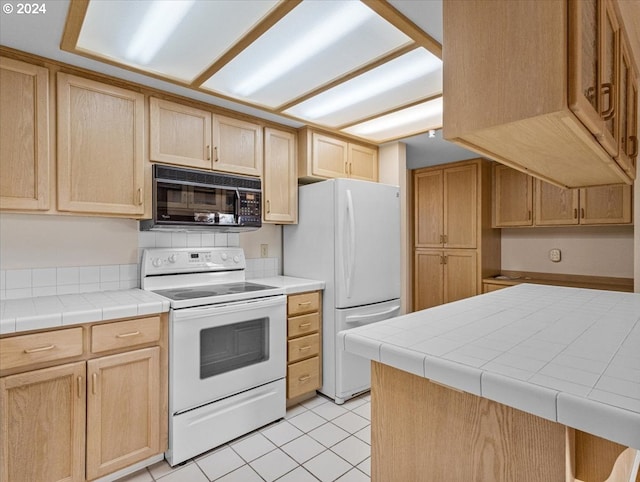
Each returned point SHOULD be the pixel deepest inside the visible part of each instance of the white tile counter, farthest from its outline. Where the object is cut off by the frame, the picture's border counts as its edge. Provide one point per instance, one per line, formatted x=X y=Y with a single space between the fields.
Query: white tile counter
x=568 y=355
x=290 y=284
x=54 y=311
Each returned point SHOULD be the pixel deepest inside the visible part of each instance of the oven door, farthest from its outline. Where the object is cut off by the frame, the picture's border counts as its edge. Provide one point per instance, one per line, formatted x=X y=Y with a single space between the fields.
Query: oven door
x=220 y=350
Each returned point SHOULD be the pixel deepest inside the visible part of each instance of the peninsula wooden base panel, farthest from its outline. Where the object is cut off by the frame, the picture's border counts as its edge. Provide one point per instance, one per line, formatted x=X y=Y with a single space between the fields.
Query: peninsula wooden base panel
x=423 y=431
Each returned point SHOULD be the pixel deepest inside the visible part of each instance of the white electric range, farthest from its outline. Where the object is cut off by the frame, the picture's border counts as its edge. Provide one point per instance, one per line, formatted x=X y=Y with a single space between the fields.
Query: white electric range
x=227 y=346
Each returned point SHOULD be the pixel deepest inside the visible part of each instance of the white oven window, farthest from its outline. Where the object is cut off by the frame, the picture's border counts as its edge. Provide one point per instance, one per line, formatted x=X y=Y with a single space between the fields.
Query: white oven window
x=233 y=346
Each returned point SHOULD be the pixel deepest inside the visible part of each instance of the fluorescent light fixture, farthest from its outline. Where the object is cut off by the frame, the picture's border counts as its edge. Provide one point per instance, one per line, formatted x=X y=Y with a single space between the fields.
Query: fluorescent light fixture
x=327 y=32
x=428 y=114
x=359 y=92
x=161 y=19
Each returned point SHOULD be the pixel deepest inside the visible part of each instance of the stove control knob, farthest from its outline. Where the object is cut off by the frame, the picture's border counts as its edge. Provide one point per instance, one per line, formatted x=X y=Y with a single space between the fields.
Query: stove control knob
x=172 y=258
x=236 y=259
x=224 y=256
x=157 y=262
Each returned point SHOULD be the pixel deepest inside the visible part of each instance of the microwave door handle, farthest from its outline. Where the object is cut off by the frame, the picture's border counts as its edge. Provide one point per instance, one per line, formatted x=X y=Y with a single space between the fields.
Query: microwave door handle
x=238 y=205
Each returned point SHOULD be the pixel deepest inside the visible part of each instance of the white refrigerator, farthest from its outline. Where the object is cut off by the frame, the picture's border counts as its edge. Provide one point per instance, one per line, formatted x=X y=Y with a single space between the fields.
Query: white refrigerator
x=348 y=236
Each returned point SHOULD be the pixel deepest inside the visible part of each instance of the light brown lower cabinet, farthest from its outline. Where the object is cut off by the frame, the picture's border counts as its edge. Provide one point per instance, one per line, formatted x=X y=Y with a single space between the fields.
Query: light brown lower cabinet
x=304 y=344
x=442 y=276
x=89 y=416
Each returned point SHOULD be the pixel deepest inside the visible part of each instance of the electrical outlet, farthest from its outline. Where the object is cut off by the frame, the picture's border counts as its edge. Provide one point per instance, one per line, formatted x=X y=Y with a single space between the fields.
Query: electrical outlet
x=264 y=250
x=555 y=255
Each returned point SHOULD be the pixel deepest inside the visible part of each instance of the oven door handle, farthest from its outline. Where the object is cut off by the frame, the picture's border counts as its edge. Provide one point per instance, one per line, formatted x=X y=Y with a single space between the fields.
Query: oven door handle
x=235 y=306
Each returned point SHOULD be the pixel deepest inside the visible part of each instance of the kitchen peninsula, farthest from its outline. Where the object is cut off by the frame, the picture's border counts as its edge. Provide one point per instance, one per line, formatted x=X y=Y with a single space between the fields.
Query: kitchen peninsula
x=528 y=383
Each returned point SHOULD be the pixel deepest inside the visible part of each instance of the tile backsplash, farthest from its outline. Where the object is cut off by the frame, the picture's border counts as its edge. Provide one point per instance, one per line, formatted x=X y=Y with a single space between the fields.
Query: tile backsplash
x=24 y=283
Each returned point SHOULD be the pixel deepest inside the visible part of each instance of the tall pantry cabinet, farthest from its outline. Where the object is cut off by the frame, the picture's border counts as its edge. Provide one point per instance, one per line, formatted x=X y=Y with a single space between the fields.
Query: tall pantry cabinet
x=454 y=245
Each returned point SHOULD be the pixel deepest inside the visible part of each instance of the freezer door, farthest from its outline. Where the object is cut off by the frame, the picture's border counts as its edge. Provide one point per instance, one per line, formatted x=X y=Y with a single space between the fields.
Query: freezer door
x=367 y=243
x=353 y=373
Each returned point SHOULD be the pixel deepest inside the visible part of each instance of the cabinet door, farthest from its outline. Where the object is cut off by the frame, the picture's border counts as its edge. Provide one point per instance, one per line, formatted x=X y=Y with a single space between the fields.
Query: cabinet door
x=179 y=134
x=512 y=197
x=123 y=406
x=606 y=204
x=280 y=180
x=329 y=156
x=363 y=163
x=100 y=147
x=24 y=138
x=460 y=274
x=42 y=425
x=428 y=210
x=584 y=51
x=238 y=146
x=555 y=205
x=461 y=206
x=627 y=108
x=428 y=288
x=609 y=77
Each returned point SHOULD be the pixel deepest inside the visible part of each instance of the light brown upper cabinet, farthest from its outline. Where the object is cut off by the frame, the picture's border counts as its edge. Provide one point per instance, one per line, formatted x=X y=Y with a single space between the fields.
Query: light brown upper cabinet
x=100 y=147
x=512 y=197
x=554 y=114
x=445 y=209
x=24 y=139
x=556 y=206
x=628 y=102
x=192 y=137
x=179 y=134
x=323 y=156
x=238 y=146
x=280 y=180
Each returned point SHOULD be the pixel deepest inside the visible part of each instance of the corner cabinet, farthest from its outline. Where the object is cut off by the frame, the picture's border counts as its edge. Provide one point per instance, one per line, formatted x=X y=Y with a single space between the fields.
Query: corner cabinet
x=24 y=139
x=322 y=156
x=454 y=245
x=100 y=408
x=188 y=136
x=100 y=148
x=567 y=114
x=280 y=178
x=304 y=344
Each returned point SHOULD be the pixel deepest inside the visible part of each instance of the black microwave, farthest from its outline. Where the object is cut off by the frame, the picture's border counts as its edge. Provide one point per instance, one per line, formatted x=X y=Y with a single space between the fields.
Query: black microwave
x=194 y=200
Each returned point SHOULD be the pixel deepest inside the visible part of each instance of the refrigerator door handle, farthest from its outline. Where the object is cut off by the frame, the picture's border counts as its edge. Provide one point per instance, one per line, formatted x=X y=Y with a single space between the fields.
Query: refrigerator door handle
x=351 y=247
x=382 y=315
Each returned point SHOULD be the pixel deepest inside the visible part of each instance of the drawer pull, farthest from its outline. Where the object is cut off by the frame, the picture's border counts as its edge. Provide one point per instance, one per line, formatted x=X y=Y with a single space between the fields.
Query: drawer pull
x=305 y=348
x=79 y=387
x=304 y=378
x=42 y=348
x=304 y=303
x=95 y=383
x=304 y=325
x=127 y=335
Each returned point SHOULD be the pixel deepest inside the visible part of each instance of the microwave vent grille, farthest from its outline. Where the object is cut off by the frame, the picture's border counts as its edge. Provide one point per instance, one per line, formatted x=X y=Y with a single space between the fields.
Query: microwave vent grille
x=202 y=177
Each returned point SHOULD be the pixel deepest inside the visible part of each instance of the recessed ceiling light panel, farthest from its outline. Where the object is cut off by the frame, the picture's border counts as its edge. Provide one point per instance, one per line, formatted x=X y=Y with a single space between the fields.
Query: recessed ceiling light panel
x=174 y=38
x=413 y=76
x=402 y=123
x=289 y=60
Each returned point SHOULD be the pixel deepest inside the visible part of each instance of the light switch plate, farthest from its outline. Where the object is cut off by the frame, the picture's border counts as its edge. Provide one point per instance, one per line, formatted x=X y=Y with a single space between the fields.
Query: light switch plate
x=554 y=255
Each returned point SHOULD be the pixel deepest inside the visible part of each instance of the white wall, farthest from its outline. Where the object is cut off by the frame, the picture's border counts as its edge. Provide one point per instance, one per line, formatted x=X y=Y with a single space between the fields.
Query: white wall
x=43 y=255
x=593 y=251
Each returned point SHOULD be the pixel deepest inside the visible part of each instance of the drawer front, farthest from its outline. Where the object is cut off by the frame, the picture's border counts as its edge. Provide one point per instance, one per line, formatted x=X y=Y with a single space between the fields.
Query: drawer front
x=303 y=303
x=303 y=377
x=123 y=334
x=303 y=347
x=48 y=346
x=301 y=325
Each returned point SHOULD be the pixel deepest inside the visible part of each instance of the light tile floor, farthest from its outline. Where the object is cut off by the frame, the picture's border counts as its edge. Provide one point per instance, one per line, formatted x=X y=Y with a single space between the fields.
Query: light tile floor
x=317 y=440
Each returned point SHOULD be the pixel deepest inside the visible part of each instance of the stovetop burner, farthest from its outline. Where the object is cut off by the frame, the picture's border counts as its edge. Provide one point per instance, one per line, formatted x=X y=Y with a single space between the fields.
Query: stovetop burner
x=211 y=290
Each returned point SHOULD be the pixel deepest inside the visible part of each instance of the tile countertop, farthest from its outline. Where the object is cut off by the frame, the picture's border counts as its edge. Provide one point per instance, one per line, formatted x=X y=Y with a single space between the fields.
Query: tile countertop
x=569 y=355
x=54 y=311
x=290 y=284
